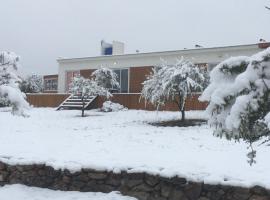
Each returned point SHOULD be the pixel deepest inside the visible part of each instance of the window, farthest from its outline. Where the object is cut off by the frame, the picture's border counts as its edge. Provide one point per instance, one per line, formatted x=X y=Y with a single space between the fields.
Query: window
x=122 y=78
x=108 y=51
x=69 y=78
x=50 y=84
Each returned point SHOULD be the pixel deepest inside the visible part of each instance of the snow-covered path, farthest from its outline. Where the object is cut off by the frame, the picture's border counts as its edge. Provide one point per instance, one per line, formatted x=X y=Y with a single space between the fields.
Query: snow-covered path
x=124 y=141
x=17 y=192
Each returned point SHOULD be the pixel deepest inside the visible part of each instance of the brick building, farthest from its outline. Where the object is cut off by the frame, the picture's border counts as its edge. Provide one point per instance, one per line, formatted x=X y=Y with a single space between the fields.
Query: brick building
x=133 y=68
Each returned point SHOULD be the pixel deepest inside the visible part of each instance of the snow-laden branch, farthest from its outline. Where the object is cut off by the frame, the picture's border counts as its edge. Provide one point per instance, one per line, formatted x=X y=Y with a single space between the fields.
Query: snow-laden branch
x=239 y=97
x=10 y=93
x=172 y=82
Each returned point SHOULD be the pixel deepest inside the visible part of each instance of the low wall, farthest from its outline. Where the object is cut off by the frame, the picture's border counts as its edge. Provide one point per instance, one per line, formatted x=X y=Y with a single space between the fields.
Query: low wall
x=46 y=99
x=140 y=185
x=131 y=101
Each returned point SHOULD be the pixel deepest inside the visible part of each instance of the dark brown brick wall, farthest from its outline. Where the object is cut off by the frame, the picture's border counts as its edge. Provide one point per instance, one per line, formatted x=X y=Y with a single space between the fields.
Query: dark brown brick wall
x=86 y=73
x=133 y=101
x=264 y=45
x=50 y=76
x=137 y=77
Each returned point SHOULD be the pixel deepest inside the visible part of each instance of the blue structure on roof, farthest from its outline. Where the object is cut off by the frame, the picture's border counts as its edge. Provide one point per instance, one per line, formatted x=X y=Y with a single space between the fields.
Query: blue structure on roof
x=106 y=48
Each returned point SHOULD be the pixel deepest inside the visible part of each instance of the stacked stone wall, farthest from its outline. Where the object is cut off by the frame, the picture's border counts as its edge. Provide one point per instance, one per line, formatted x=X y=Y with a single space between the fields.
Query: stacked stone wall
x=140 y=185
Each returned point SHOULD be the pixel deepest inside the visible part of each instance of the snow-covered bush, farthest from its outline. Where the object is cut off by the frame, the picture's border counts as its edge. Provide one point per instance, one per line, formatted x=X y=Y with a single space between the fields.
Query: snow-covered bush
x=239 y=101
x=10 y=92
x=3 y=102
x=32 y=84
x=172 y=82
x=100 y=83
x=109 y=106
x=86 y=88
x=105 y=78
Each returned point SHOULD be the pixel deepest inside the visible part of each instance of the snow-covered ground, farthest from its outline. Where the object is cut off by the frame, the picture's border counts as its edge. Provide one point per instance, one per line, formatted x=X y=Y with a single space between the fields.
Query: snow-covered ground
x=17 y=192
x=125 y=141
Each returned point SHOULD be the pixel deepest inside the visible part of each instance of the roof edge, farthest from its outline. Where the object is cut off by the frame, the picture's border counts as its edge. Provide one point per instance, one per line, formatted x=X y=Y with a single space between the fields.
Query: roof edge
x=255 y=45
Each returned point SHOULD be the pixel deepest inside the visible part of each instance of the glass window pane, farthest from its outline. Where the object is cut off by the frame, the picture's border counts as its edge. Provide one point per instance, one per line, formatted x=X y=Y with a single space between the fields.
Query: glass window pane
x=117 y=71
x=124 y=81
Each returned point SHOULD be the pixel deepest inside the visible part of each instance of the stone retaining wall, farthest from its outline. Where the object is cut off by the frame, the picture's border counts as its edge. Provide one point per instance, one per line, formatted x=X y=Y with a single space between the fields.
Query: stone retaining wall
x=140 y=185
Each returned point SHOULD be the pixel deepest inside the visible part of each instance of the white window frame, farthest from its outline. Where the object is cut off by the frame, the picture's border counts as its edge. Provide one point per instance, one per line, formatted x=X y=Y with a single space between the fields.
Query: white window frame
x=128 y=68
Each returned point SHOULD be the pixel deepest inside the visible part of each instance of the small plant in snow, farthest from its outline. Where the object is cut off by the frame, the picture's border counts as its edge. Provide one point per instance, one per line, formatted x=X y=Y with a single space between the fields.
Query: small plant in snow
x=106 y=78
x=109 y=106
x=86 y=88
x=32 y=84
x=173 y=82
x=10 y=92
x=239 y=101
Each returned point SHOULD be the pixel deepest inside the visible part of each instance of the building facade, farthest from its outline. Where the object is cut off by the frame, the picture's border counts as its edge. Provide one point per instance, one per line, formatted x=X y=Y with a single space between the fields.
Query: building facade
x=133 y=68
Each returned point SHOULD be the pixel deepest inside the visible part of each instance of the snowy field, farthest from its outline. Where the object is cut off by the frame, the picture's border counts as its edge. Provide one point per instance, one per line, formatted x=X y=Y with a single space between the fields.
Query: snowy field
x=125 y=141
x=17 y=192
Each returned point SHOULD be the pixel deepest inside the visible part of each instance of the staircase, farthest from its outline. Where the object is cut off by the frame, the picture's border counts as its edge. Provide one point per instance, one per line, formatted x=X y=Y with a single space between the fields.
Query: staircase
x=74 y=102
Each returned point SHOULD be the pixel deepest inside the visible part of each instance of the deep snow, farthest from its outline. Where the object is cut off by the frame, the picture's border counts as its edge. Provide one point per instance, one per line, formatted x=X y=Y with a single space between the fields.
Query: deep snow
x=124 y=141
x=17 y=192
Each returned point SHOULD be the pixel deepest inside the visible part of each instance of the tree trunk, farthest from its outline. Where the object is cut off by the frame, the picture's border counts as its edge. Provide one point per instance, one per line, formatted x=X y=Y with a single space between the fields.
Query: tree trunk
x=181 y=106
x=183 y=114
x=83 y=103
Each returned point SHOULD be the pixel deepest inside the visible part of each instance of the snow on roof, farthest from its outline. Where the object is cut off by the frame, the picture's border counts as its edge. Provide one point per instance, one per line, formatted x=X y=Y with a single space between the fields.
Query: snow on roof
x=158 y=53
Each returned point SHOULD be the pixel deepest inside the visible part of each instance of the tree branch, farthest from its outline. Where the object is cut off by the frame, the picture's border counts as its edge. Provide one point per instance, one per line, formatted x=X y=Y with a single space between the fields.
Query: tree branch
x=3 y=64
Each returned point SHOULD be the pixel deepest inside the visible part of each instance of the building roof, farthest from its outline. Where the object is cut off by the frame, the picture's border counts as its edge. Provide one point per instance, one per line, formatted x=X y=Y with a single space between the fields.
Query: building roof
x=163 y=53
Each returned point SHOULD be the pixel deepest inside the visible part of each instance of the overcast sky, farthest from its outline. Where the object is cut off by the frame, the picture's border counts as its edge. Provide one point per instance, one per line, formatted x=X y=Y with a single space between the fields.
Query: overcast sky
x=40 y=31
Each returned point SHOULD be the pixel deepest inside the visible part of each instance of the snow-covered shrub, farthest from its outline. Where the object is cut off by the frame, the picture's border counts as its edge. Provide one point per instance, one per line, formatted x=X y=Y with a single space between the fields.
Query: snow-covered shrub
x=172 y=82
x=86 y=88
x=32 y=84
x=105 y=78
x=109 y=106
x=100 y=83
x=10 y=92
x=238 y=95
x=3 y=102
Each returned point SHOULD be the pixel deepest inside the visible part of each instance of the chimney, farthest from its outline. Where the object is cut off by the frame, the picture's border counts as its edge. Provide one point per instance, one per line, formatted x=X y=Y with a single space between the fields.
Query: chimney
x=116 y=48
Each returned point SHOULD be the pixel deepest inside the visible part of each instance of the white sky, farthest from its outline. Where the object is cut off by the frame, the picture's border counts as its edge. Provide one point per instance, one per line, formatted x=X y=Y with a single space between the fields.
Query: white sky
x=40 y=31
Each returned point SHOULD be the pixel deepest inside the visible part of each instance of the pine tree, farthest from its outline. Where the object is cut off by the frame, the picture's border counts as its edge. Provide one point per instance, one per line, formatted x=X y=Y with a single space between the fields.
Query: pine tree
x=238 y=97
